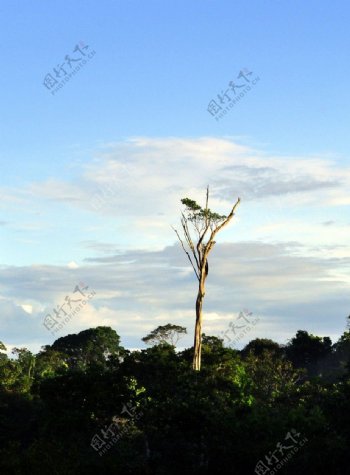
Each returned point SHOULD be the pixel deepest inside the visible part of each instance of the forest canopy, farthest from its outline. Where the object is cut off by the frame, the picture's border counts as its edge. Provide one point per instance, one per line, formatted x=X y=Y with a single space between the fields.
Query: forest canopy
x=85 y=404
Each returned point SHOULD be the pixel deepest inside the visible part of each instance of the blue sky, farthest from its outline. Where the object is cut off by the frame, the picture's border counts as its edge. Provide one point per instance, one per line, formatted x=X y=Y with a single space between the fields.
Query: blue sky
x=92 y=176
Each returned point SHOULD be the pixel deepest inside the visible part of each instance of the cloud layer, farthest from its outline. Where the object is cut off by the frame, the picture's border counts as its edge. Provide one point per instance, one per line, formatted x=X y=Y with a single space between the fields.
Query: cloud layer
x=285 y=257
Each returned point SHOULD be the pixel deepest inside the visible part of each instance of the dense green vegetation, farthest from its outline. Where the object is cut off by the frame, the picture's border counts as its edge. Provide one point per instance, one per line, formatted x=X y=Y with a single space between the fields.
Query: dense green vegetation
x=166 y=418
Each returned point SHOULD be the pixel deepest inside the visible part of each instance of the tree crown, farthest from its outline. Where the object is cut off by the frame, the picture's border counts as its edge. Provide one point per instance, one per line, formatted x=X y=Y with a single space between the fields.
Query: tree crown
x=165 y=334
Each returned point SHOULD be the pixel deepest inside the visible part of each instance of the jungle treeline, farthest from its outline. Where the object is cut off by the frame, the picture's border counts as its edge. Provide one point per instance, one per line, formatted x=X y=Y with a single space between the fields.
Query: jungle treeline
x=86 y=405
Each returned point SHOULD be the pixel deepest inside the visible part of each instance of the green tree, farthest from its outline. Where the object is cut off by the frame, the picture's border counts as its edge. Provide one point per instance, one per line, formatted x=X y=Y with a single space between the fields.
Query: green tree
x=271 y=377
x=89 y=348
x=165 y=334
x=259 y=345
x=25 y=362
x=307 y=351
x=342 y=354
x=50 y=363
x=9 y=370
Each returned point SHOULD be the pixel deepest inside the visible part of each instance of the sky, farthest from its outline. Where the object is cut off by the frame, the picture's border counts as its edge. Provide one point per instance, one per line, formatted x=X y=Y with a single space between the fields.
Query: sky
x=114 y=111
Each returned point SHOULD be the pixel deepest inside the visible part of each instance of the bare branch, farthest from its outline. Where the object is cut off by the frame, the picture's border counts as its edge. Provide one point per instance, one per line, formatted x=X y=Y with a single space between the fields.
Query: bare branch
x=199 y=246
x=188 y=255
x=217 y=229
x=189 y=239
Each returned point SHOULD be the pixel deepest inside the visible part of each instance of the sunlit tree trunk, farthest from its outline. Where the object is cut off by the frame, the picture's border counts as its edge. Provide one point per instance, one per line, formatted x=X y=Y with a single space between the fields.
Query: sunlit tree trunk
x=198 y=326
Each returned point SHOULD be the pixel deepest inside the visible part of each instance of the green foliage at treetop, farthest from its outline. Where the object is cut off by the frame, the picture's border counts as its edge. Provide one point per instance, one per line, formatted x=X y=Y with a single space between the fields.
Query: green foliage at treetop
x=196 y=213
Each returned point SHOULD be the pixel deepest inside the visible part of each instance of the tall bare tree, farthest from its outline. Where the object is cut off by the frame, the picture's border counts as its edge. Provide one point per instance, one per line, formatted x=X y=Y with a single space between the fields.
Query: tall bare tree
x=206 y=225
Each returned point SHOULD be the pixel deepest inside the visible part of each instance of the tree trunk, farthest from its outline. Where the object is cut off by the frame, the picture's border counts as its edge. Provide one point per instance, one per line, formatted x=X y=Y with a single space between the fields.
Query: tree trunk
x=198 y=327
x=31 y=366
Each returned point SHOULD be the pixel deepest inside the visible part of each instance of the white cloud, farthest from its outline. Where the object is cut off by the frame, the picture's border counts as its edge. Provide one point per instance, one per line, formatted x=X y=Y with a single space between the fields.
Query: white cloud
x=145 y=176
x=27 y=308
x=277 y=257
x=132 y=190
x=72 y=265
x=138 y=290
